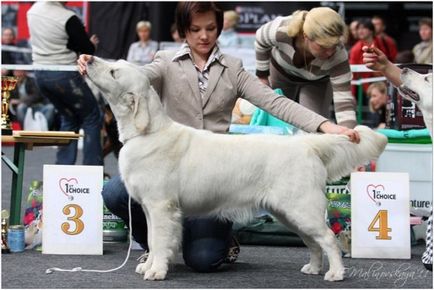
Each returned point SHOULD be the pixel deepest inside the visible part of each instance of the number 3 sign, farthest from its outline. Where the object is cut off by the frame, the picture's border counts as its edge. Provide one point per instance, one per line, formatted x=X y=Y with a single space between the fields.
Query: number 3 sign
x=72 y=210
x=380 y=215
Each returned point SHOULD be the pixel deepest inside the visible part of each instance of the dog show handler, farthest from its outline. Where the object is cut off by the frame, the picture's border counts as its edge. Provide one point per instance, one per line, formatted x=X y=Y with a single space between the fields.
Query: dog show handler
x=303 y=54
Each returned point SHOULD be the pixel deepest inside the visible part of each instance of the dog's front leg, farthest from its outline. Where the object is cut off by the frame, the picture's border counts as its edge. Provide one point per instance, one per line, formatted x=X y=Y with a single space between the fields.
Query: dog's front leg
x=166 y=226
x=143 y=267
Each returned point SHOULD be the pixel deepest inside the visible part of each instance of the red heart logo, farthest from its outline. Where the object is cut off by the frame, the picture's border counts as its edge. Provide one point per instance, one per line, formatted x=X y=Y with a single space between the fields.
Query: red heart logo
x=62 y=185
x=370 y=190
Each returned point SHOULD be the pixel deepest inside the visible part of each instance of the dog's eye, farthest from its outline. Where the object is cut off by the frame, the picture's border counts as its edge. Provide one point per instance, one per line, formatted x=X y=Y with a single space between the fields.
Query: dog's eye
x=112 y=72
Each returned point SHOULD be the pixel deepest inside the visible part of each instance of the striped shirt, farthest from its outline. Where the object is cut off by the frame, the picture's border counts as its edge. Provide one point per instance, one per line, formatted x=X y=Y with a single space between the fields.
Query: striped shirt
x=274 y=45
x=202 y=75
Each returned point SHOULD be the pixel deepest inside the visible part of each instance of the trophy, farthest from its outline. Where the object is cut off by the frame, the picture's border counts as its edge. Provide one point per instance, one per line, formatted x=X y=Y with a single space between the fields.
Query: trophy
x=8 y=84
x=4 y=223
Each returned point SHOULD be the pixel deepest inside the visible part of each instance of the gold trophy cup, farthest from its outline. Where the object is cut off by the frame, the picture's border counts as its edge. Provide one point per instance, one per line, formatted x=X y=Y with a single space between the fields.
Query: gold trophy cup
x=8 y=85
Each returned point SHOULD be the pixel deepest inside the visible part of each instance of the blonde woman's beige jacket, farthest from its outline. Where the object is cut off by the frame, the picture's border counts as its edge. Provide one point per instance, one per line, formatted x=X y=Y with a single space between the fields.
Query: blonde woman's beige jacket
x=176 y=82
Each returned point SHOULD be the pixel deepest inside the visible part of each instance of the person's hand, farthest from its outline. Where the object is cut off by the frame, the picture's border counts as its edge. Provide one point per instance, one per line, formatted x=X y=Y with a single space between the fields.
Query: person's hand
x=264 y=80
x=94 y=39
x=14 y=102
x=82 y=62
x=331 y=128
x=374 y=58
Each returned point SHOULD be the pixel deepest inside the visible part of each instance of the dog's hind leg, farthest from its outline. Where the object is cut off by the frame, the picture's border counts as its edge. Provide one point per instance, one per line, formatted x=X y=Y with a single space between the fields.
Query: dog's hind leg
x=315 y=264
x=166 y=227
x=319 y=232
x=311 y=226
x=327 y=240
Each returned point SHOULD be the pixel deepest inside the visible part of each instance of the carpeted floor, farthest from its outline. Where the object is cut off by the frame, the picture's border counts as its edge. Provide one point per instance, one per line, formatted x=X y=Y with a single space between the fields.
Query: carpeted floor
x=257 y=266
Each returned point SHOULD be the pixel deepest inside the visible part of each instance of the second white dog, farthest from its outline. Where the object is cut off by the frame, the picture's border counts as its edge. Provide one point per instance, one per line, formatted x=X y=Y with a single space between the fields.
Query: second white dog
x=417 y=88
x=174 y=170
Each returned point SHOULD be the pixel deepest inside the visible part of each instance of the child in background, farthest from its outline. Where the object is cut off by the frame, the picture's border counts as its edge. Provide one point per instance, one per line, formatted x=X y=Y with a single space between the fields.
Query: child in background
x=377 y=93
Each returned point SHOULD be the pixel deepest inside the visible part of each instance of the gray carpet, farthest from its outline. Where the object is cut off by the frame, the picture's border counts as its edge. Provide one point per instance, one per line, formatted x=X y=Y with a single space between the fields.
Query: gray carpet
x=257 y=266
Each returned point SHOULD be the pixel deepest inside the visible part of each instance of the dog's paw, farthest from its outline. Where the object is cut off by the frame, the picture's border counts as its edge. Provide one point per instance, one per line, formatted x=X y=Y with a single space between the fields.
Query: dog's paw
x=334 y=275
x=310 y=269
x=145 y=266
x=152 y=274
x=142 y=268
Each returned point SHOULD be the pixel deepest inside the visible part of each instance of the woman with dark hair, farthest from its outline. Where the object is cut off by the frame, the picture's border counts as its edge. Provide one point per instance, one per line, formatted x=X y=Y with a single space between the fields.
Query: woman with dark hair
x=198 y=86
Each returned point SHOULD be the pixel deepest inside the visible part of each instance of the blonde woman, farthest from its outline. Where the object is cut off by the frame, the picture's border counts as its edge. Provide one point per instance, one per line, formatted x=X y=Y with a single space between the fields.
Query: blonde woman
x=142 y=51
x=377 y=93
x=228 y=36
x=303 y=54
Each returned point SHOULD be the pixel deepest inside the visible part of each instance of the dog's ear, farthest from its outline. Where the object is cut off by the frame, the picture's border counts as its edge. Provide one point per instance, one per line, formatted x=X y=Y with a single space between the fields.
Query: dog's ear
x=428 y=78
x=140 y=112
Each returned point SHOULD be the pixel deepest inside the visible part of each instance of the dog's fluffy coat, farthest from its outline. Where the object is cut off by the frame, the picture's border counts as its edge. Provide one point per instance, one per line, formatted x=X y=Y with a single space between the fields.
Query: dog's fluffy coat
x=174 y=170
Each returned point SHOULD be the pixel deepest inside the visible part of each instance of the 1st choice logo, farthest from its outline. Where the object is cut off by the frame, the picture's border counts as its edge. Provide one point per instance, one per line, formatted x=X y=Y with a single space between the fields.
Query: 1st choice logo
x=70 y=186
x=377 y=193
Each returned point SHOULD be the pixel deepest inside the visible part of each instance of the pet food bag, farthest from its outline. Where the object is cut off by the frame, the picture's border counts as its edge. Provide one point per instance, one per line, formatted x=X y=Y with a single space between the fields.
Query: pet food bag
x=33 y=216
x=339 y=213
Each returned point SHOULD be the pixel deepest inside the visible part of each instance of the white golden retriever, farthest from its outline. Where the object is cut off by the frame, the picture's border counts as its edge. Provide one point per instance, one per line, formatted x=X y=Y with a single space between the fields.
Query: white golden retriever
x=417 y=88
x=173 y=170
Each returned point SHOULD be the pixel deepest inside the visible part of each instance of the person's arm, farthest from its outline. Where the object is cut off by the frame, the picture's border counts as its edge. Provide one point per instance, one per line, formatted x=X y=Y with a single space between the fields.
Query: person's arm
x=375 y=59
x=340 y=79
x=262 y=96
x=155 y=70
x=78 y=39
x=265 y=41
x=130 y=52
x=393 y=48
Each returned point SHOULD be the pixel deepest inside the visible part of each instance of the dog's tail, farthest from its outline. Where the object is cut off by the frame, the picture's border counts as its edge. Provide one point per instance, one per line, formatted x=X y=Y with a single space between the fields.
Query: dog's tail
x=341 y=156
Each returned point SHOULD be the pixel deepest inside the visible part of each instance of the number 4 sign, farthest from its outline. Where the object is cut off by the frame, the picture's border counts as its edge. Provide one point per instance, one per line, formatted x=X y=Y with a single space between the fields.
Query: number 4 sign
x=380 y=215
x=72 y=210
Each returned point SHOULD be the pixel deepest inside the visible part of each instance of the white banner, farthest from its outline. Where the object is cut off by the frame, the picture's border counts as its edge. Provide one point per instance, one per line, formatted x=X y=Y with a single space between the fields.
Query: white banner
x=380 y=215
x=73 y=210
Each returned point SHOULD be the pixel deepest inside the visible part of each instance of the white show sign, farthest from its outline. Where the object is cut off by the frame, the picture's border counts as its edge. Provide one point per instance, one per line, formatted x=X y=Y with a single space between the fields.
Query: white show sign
x=380 y=215
x=73 y=210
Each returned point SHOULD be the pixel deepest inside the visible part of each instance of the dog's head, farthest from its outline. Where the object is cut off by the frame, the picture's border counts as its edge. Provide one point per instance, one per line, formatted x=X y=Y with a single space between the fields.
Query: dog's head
x=126 y=88
x=417 y=88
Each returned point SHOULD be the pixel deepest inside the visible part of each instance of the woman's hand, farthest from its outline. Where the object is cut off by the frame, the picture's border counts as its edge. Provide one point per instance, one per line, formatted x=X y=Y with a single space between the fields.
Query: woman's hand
x=331 y=128
x=374 y=58
x=82 y=62
x=94 y=39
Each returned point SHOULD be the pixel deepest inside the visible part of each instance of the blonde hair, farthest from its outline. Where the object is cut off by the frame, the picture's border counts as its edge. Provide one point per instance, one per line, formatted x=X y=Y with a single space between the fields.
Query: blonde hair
x=380 y=86
x=232 y=16
x=321 y=24
x=143 y=24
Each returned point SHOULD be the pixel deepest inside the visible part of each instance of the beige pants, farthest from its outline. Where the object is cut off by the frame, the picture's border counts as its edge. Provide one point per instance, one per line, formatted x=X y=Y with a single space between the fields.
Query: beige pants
x=314 y=95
